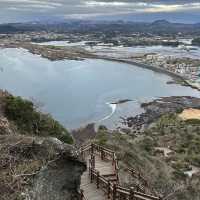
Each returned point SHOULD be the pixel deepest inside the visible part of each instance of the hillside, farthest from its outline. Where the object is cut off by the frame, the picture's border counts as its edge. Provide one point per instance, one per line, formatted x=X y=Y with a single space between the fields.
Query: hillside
x=36 y=161
x=87 y=26
x=35 y=164
x=166 y=151
x=7 y=28
x=19 y=116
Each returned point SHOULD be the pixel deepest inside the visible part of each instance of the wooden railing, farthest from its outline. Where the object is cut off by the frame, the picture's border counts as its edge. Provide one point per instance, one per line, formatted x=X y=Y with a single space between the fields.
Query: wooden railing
x=112 y=189
x=144 y=183
x=81 y=193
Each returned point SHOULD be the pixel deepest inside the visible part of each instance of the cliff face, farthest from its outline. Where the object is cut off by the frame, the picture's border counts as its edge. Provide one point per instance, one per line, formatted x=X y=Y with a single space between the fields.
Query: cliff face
x=38 y=169
x=33 y=167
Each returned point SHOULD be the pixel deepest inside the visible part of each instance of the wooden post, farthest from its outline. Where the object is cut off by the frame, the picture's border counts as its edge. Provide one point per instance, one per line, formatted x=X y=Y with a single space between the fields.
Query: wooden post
x=145 y=183
x=81 y=152
x=91 y=175
x=89 y=167
x=92 y=149
x=114 y=192
x=117 y=177
x=101 y=153
x=139 y=176
x=81 y=195
x=93 y=161
x=115 y=167
x=108 y=189
x=113 y=160
x=131 y=197
x=98 y=175
x=138 y=187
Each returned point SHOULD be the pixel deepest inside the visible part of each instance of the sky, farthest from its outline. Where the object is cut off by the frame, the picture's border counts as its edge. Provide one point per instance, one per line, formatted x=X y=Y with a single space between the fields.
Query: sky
x=187 y=11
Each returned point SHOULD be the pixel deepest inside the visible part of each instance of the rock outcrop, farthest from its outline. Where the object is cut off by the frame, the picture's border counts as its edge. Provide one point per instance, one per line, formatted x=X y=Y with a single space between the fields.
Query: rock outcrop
x=158 y=107
x=38 y=169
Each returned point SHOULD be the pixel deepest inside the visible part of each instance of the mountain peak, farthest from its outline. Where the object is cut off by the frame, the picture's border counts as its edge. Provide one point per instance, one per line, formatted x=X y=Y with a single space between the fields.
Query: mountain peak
x=161 y=22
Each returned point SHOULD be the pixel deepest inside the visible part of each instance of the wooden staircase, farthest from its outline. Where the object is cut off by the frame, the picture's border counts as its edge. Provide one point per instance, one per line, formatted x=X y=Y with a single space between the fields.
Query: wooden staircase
x=101 y=181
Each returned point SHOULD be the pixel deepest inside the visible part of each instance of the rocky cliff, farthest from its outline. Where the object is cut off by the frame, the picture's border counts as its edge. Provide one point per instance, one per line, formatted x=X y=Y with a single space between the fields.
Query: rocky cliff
x=35 y=165
x=38 y=169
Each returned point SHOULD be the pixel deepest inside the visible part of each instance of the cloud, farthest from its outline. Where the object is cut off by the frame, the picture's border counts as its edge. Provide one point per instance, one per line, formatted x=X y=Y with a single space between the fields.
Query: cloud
x=18 y=10
x=173 y=7
x=103 y=4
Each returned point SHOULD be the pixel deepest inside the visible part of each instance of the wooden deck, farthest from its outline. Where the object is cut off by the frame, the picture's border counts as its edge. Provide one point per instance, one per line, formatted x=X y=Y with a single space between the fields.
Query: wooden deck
x=101 y=180
x=90 y=189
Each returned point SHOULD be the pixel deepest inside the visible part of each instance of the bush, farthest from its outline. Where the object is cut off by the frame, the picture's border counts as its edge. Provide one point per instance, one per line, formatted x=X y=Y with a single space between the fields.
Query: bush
x=29 y=121
x=101 y=138
x=181 y=165
x=20 y=111
x=194 y=159
x=193 y=121
x=147 y=144
x=178 y=174
x=102 y=128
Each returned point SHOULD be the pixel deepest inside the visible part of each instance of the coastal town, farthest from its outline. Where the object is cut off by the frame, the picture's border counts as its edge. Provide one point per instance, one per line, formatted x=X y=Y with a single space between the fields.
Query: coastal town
x=187 y=68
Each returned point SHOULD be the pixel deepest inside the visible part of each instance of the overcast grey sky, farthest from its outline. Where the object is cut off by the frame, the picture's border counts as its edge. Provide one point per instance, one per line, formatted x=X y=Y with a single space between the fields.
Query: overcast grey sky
x=31 y=10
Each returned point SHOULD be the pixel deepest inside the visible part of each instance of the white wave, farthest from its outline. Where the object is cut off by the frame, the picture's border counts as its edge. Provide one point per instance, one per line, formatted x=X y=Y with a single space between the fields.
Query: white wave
x=113 y=108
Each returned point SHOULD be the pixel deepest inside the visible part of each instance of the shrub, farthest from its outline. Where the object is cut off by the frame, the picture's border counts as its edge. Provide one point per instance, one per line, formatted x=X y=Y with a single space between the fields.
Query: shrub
x=193 y=121
x=30 y=121
x=101 y=138
x=194 y=159
x=147 y=144
x=181 y=165
x=21 y=111
x=178 y=174
x=102 y=128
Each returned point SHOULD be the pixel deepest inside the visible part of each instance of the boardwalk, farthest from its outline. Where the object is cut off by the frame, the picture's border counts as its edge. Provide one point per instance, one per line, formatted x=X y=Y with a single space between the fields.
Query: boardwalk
x=90 y=189
x=100 y=181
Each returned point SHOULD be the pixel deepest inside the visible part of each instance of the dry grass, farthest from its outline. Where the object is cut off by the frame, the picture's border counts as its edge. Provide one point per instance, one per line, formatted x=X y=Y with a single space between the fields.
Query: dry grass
x=20 y=160
x=190 y=114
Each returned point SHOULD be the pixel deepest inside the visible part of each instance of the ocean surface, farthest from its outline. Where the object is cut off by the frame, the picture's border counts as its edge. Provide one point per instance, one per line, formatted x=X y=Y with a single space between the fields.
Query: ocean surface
x=80 y=92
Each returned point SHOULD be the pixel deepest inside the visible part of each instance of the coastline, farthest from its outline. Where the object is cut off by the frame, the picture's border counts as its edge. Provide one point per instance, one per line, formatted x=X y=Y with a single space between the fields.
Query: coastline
x=58 y=53
x=175 y=76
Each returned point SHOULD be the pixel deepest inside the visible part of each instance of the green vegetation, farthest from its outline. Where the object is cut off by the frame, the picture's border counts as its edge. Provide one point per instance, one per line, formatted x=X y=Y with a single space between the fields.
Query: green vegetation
x=193 y=122
x=30 y=121
x=147 y=144
x=165 y=174
x=183 y=137
x=101 y=138
x=137 y=153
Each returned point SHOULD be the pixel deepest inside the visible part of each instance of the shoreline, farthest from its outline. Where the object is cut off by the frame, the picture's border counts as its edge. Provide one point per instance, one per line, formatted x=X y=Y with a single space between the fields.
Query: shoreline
x=175 y=76
x=78 y=54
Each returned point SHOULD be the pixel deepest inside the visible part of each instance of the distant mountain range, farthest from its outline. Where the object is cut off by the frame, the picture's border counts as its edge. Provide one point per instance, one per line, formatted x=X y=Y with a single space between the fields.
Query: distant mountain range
x=157 y=27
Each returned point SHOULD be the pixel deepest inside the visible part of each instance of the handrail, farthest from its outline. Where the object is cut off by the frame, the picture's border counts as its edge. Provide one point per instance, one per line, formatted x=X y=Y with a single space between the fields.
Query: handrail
x=113 y=190
x=138 y=175
x=81 y=193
